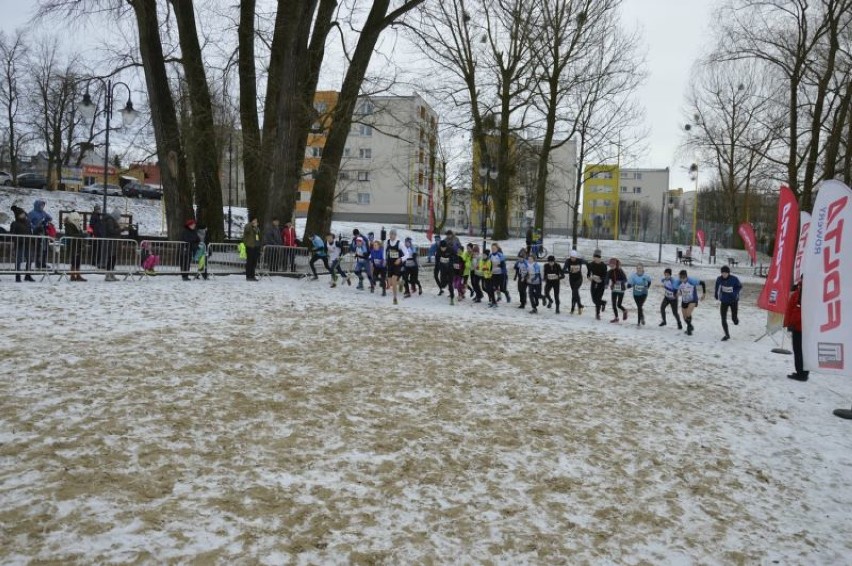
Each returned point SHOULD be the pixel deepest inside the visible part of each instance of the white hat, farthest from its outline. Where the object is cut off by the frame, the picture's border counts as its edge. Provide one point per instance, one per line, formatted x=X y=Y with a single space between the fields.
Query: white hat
x=573 y=253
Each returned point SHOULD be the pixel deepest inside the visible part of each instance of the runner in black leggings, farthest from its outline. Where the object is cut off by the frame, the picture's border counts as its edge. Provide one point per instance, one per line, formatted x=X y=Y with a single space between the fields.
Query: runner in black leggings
x=553 y=274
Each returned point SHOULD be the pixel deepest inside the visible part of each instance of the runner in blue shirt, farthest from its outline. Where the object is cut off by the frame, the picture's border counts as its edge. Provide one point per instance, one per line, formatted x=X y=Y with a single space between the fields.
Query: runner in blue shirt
x=728 y=293
x=687 y=287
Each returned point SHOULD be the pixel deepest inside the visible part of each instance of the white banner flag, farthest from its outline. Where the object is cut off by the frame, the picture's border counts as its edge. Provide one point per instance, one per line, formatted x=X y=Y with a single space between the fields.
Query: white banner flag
x=827 y=284
x=804 y=226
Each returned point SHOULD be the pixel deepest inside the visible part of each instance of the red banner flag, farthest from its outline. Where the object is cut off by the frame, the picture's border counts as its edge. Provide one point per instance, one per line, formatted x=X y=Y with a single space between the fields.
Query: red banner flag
x=746 y=232
x=700 y=236
x=804 y=228
x=776 y=290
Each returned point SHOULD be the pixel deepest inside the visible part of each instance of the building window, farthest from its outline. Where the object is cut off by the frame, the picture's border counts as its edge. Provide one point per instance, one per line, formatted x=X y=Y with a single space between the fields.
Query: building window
x=623 y=189
x=315 y=152
x=365 y=153
x=365 y=130
x=638 y=176
x=320 y=107
x=363 y=198
x=316 y=127
x=420 y=178
x=343 y=197
x=364 y=108
x=343 y=175
x=347 y=152
x=637 y=190
x=363 y=175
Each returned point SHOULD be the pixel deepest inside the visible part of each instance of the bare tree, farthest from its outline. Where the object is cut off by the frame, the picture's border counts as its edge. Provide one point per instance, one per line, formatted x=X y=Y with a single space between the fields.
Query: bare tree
x=13 y=51
x=799 y=42
x=734 y=126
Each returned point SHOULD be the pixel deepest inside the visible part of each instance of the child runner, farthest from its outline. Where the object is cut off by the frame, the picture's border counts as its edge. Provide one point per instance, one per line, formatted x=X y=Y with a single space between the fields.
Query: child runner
x=498 y=262
x=522 y=269
x=596 y=272
x=669 y=298
x=475 y=276
x=467 y=256
x=483 y=270
x=320 y=253
x=396 y=254
x=445 y=259
x=728 y=293
x=377 y=263
x=574 y=268
x=640 y=281
x=458 y=275
x=553 y=274
x=411 y=270
x=362 y=261
x=335 y=249
x=617 y=281
x=688 y=288
x=534 y=283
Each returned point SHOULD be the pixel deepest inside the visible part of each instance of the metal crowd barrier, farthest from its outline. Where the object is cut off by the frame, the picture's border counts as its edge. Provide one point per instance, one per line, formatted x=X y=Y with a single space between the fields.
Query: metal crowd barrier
x=92 y=256
x=224 y=259
x=283 y=260
x=22 y=254
x=173 y=258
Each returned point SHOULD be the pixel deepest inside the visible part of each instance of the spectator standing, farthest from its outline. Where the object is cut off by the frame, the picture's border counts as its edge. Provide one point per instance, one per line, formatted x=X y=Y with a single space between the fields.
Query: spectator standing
x=109 y=248
x=190 y=237
x=75 y=234
x=289 y=239
x=39 y=220
x=251 y=240
x=793 y=322
x=273 y=237
x=21 y=226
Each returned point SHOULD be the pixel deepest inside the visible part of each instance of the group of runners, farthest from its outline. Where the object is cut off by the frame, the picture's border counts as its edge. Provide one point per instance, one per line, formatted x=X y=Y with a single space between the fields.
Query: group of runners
x=463 y=271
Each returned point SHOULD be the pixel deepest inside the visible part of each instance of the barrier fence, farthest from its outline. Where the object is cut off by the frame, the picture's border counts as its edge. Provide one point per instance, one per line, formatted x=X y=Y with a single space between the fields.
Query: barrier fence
x=25 y=255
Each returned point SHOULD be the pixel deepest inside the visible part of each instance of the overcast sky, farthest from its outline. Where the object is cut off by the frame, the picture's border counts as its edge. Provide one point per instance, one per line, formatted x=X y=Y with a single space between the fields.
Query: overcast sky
x=676 y=32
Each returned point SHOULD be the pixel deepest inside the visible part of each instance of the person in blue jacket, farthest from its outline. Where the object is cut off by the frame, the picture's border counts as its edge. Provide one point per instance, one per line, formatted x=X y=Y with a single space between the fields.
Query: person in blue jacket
x=687 y=287
x=39 y=219
x=669 y=298
x=377 y=261
x=728 y=294
x=534 y=279
x=639 y=282
x=361 y=251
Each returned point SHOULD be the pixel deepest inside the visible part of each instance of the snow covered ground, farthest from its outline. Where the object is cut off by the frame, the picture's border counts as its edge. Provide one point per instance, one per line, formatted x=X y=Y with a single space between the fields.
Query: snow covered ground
x=283 y=422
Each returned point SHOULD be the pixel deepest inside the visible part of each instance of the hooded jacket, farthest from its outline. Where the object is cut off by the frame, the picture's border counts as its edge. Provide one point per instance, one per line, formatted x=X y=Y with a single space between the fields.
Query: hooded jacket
x=38 y=217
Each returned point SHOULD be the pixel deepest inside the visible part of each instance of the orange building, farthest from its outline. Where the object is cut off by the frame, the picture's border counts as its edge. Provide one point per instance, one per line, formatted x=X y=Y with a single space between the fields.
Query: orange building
x=324 y=102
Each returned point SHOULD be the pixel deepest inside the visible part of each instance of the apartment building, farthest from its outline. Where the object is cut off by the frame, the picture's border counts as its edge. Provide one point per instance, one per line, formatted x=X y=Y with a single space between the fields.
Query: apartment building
x=389 y=165
x=623 y=203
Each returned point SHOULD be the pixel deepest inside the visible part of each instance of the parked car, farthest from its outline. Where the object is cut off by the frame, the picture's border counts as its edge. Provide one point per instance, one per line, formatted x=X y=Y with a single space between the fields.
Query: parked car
x=98 y=189
x=142 y=190
x=5 y=178
x=32 y=181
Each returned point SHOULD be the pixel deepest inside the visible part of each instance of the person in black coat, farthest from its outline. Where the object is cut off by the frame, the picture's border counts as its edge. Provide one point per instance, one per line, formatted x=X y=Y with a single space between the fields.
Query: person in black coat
x=21 y=226
x=192 y=239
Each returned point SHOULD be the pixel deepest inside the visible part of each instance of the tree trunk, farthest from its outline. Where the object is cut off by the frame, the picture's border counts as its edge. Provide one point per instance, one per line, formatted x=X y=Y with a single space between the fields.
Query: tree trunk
x=578 y=191
x=321 y=208
x=202 y=136
x=175 y=179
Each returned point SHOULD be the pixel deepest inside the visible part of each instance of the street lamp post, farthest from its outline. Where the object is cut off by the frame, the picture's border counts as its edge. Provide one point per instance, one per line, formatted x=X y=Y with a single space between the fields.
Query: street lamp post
x=693 y=172
x=128 y=116
x=662 y=222
x=230 y=177
x=486 y=171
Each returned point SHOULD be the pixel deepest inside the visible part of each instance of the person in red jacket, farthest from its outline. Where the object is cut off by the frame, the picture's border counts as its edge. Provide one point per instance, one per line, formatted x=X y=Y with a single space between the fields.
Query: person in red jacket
x=793 y=322
x=288 y=238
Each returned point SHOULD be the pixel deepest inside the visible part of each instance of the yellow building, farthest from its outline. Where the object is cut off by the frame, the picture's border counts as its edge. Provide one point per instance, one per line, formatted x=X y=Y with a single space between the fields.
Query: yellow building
x=324 y=102
x=600 y=201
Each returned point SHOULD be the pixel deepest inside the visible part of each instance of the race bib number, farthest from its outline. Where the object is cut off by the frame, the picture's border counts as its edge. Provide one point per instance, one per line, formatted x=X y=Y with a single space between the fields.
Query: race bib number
x=574 y=269
x=445 y=260
x=393 y=254
x=596 y=279
x=670 y=294
x=727 y=289
x=552 y=277
x=638 y=288
x=409 y=263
